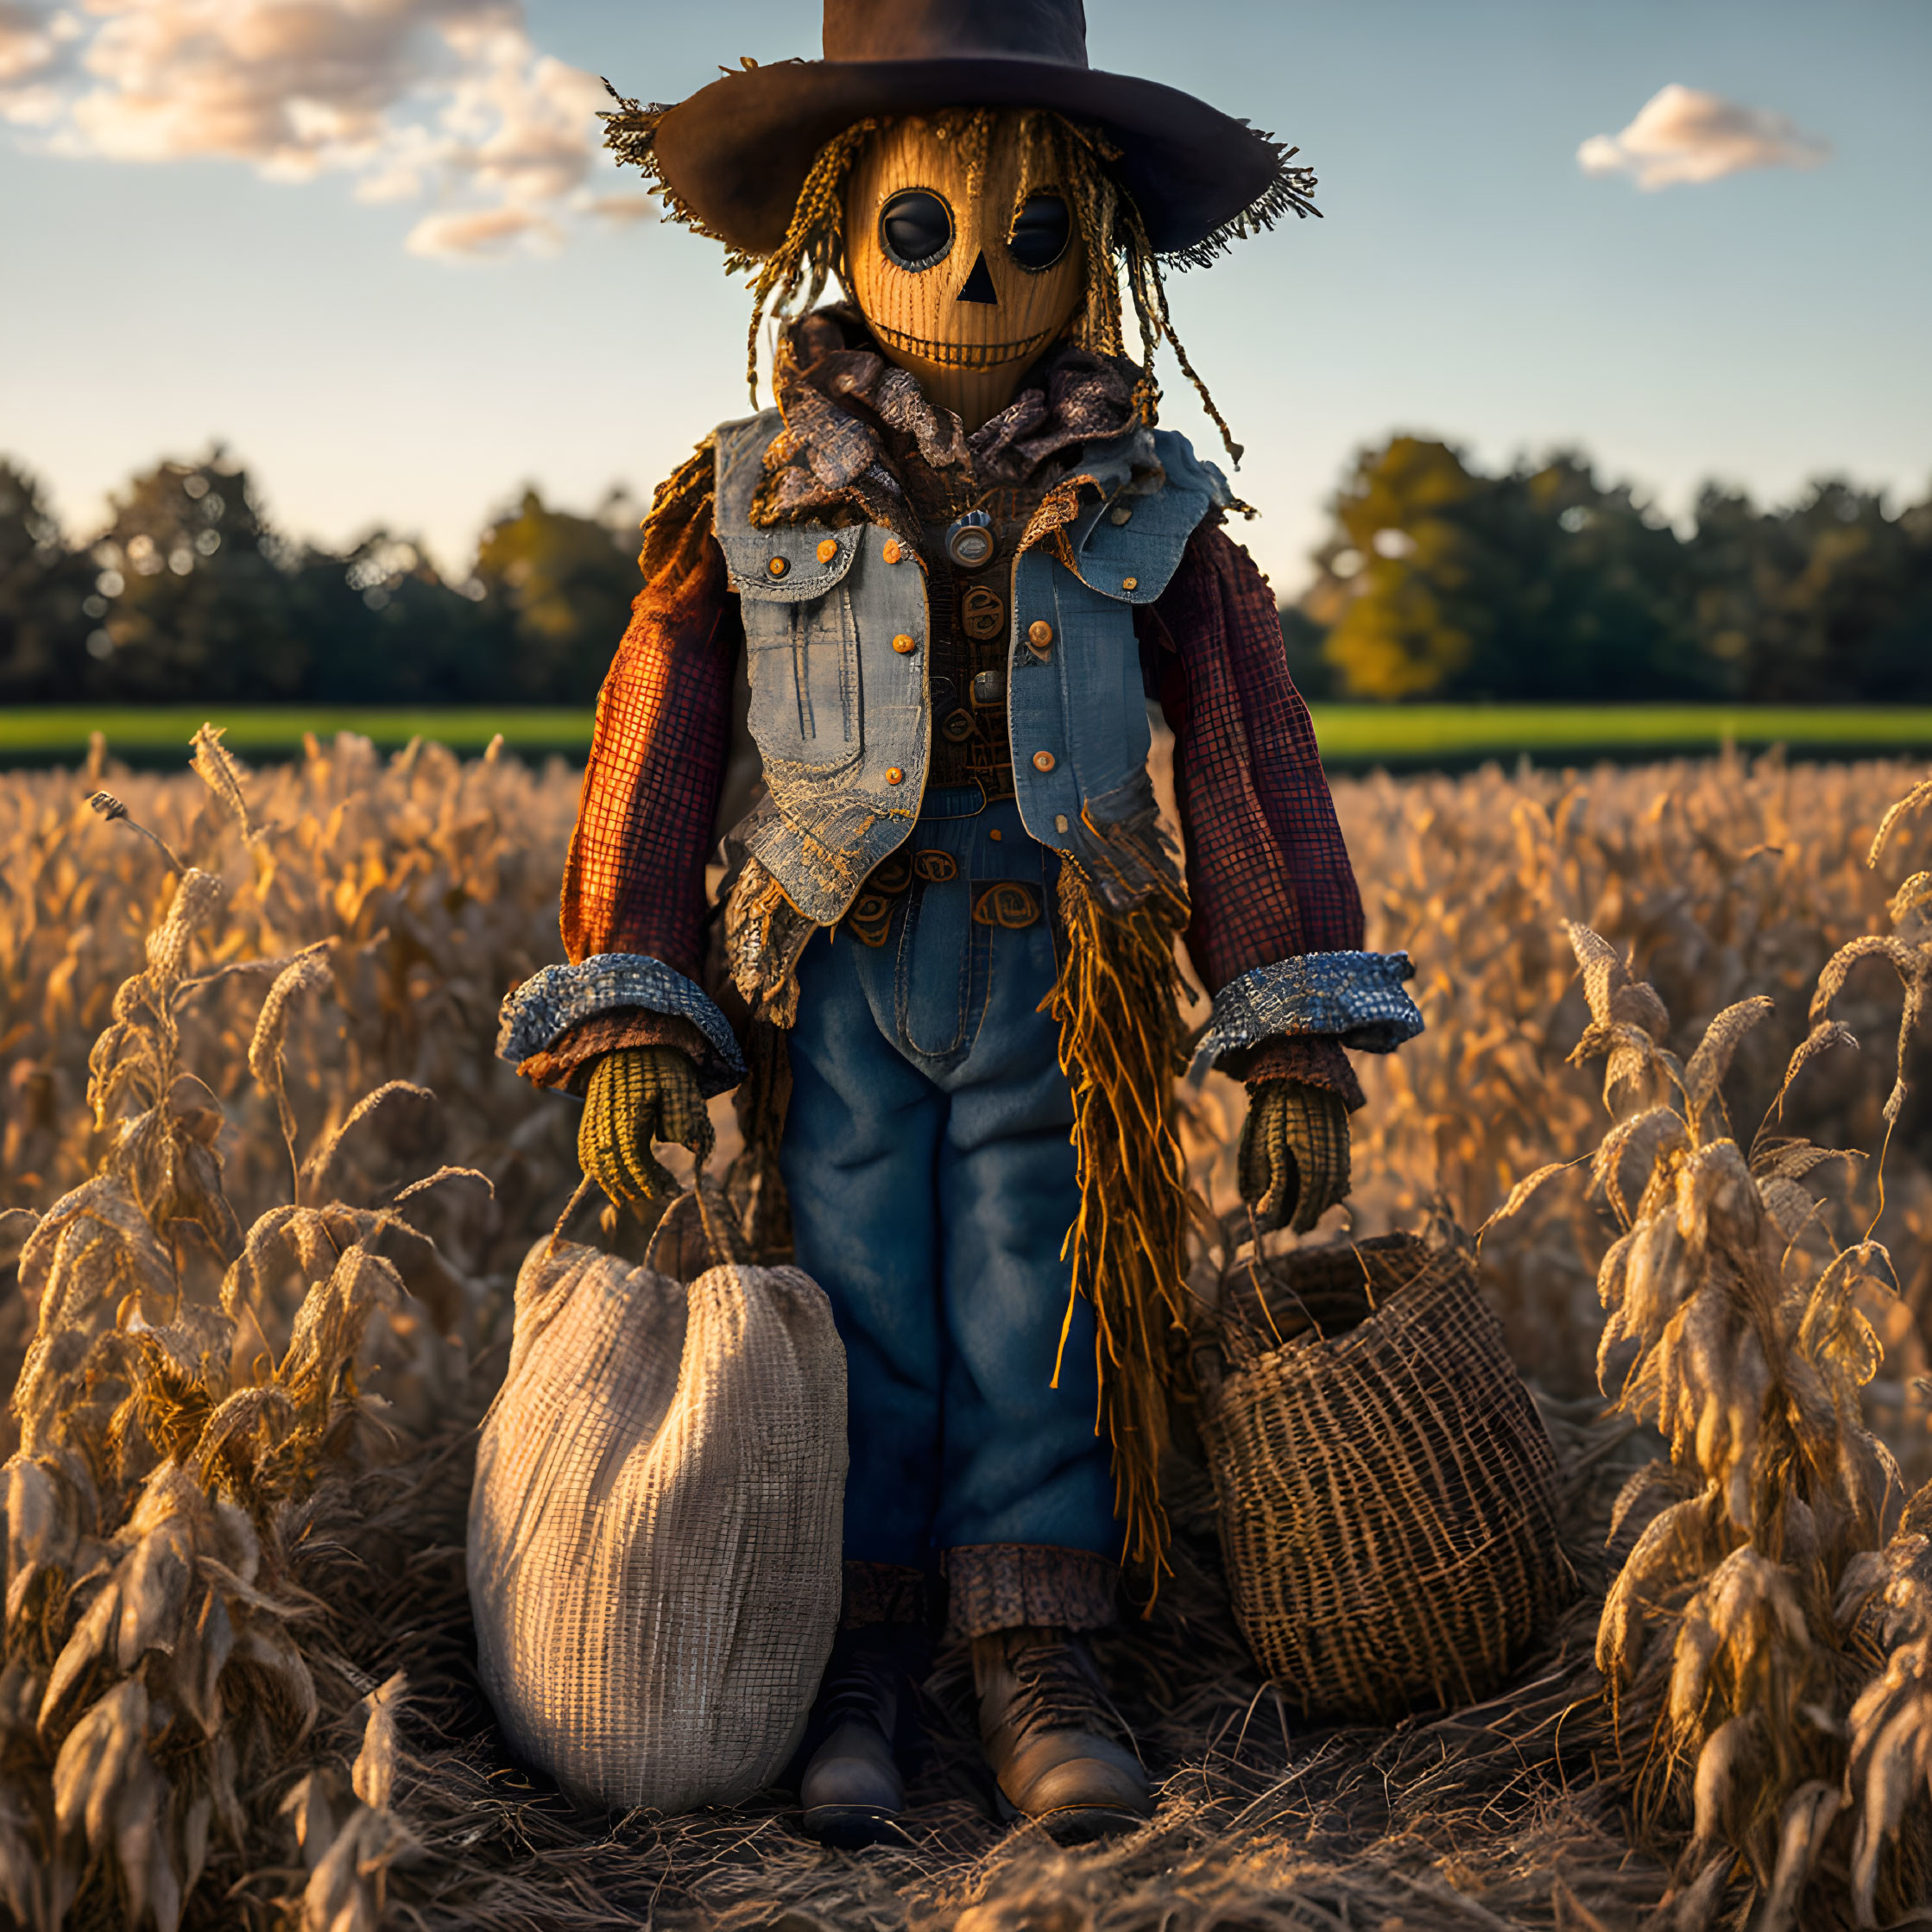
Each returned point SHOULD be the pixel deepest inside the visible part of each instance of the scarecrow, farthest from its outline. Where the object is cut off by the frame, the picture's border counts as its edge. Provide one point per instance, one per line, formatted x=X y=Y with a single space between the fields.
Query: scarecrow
x=935 y=588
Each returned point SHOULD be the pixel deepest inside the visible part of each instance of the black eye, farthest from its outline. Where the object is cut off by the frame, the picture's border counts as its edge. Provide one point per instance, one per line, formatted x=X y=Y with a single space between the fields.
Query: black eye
x=1042 y=232
x=916 y=228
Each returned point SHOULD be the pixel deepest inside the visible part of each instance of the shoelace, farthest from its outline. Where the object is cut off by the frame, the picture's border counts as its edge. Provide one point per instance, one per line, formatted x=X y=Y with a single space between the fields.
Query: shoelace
x=1055 y=1694
x=861 y=1692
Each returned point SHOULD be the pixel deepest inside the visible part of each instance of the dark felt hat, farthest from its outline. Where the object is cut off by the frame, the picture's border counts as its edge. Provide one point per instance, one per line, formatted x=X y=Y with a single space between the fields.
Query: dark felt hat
x=734 y=156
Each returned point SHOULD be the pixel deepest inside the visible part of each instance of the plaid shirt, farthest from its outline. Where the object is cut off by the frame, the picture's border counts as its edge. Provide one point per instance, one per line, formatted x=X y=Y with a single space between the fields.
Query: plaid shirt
x=1268 y=873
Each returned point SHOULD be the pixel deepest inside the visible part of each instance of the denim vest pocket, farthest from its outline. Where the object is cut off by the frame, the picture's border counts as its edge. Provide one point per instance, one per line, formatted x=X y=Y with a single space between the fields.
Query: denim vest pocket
x=802 y=662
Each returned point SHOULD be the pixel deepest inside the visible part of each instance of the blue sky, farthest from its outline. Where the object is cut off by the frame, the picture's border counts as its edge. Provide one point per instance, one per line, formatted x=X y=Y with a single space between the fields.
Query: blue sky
x=1470 y=279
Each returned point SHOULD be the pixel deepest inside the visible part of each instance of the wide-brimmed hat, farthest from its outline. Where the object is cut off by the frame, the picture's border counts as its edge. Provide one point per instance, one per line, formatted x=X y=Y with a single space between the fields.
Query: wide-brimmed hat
x=733 y=157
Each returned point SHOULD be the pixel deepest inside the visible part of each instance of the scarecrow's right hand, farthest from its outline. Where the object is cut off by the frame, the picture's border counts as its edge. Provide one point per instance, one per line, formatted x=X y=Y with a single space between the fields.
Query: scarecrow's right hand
x=637 y=1095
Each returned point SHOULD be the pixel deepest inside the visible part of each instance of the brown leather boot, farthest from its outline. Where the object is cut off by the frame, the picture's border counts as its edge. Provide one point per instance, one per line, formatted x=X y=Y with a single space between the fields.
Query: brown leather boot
x=1058 y=1749
x=852 y=1790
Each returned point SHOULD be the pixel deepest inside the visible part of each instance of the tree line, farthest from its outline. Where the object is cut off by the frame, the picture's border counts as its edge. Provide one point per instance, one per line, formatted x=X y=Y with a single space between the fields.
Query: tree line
x=1435 y=580
x=190 y=595
x=1544 y=582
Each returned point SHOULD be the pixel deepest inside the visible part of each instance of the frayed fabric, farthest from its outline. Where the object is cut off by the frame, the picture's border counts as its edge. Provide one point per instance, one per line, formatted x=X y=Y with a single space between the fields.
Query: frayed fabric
x=879 y=1593
x=1354 y=997
x=1010 y=1586
x=553 y=1000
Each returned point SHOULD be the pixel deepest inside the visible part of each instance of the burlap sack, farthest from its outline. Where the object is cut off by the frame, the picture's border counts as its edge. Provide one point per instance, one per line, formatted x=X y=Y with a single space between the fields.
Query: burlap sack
x=653 y=1552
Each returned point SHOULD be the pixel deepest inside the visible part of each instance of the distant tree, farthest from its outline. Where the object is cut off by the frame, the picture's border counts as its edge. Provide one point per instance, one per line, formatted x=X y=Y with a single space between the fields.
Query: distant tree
x=1302 y=640
x=197 y=601
x=48 y=598
x=382 y=626
x=1541 y=583
x=1396 y=574
x=1824 y=603
x=562 y=585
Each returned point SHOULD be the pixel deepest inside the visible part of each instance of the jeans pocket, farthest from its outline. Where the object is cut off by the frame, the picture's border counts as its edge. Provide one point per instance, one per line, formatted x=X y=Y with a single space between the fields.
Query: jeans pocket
x=936 y=953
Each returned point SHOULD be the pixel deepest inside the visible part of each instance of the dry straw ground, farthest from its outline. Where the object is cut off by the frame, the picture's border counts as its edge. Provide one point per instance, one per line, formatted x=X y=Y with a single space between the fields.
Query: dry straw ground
x=248 y=1359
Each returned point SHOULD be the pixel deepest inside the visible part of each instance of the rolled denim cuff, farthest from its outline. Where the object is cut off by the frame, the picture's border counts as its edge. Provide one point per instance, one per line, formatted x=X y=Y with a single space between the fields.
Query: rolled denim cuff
x=1354 y=997
x=557 y=998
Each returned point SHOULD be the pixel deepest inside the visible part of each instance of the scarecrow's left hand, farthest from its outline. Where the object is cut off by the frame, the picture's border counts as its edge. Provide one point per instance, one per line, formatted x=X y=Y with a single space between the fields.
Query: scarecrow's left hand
x=1294 y=1154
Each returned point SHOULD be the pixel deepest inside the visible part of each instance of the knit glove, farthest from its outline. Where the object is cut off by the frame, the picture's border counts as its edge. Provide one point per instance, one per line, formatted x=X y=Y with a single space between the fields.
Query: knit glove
x=1294 y=1154
x=638 y=1095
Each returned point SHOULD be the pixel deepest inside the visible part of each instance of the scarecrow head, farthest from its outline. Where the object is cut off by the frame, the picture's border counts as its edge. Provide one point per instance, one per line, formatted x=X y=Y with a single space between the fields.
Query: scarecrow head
x=978 y=189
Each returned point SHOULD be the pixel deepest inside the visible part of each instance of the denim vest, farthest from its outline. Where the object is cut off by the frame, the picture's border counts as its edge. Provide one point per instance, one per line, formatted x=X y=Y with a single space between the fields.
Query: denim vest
x=840 y=709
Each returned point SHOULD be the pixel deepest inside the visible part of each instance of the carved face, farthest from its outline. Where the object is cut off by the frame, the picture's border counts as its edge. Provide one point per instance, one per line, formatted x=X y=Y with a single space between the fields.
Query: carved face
x=956 y=288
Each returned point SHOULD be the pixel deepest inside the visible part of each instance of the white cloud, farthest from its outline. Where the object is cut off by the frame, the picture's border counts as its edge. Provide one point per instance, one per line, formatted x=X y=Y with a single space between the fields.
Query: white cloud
x=621 y=210
x=479 y=231
x=408 y=98
x=1682 y=135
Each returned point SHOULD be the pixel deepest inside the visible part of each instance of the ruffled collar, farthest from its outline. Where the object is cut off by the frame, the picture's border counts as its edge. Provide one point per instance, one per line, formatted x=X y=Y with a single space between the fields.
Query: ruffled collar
x=856 y=425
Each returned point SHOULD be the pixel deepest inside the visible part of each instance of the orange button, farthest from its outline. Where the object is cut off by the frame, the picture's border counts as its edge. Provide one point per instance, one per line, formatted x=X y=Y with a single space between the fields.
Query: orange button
x=1039 y=633
x=779 y=566
x=904 y=645
x=892 y=552
x=828 y=549
x=1130 y=583
x=895 y=776
x=1043 y=761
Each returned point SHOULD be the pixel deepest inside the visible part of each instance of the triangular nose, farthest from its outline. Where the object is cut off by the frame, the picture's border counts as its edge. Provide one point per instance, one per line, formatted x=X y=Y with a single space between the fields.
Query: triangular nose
x=979 y=285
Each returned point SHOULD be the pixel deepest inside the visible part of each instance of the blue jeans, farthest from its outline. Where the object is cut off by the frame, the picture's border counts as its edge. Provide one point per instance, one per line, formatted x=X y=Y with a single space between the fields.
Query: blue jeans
x=928 y=1157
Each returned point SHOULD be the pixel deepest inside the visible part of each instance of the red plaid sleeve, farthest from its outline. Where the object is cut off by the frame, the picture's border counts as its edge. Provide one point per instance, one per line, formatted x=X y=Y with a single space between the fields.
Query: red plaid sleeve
x=635 y=880
x=1267 y=870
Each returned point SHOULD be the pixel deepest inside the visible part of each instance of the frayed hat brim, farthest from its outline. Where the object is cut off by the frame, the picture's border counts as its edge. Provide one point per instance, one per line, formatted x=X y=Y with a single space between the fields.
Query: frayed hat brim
x=732 y=158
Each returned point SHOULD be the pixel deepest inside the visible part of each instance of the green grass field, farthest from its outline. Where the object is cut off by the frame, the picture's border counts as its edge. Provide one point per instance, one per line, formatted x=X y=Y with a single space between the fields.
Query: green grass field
x=1352 y=736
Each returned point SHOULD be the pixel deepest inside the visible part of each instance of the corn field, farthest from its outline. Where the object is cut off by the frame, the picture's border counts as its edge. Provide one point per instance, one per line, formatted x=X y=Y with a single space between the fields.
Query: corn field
x=265 y=1190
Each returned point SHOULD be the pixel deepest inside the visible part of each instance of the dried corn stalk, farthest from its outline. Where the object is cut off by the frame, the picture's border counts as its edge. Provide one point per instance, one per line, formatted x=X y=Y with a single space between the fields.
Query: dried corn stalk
x=1741 y=1626
x=189 y=1402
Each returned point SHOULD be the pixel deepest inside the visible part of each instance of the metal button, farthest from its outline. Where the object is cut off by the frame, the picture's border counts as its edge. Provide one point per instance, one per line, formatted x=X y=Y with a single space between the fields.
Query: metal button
x=779 y=566
x=970 y=542
x=989 y=687
x=1043 y=761
x=1119 y=513
x=994 y=835
x=895 y=776
x=892 y=552
x=1039 y=633
x=1130 y=583
x=904 y=645
x=828 y=549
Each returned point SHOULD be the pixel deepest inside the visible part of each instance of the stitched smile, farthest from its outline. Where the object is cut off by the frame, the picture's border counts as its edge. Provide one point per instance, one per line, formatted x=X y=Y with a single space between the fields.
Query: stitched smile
x=962 y=354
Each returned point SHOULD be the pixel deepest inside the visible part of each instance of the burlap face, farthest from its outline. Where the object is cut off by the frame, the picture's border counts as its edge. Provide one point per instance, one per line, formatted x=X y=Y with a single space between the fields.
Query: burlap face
x=944 y=258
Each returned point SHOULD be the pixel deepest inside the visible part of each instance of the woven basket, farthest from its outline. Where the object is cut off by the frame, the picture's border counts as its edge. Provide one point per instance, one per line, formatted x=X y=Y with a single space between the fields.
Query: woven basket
x=1386 y=1488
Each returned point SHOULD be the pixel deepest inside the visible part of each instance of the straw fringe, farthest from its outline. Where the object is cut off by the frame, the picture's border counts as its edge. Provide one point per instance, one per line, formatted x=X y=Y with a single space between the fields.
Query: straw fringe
x=1121 y=1047
x=1291 y=191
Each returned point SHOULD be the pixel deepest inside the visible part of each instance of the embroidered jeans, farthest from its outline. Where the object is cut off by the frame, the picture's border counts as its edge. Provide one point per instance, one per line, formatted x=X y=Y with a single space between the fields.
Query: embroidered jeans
x=932 y=1183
